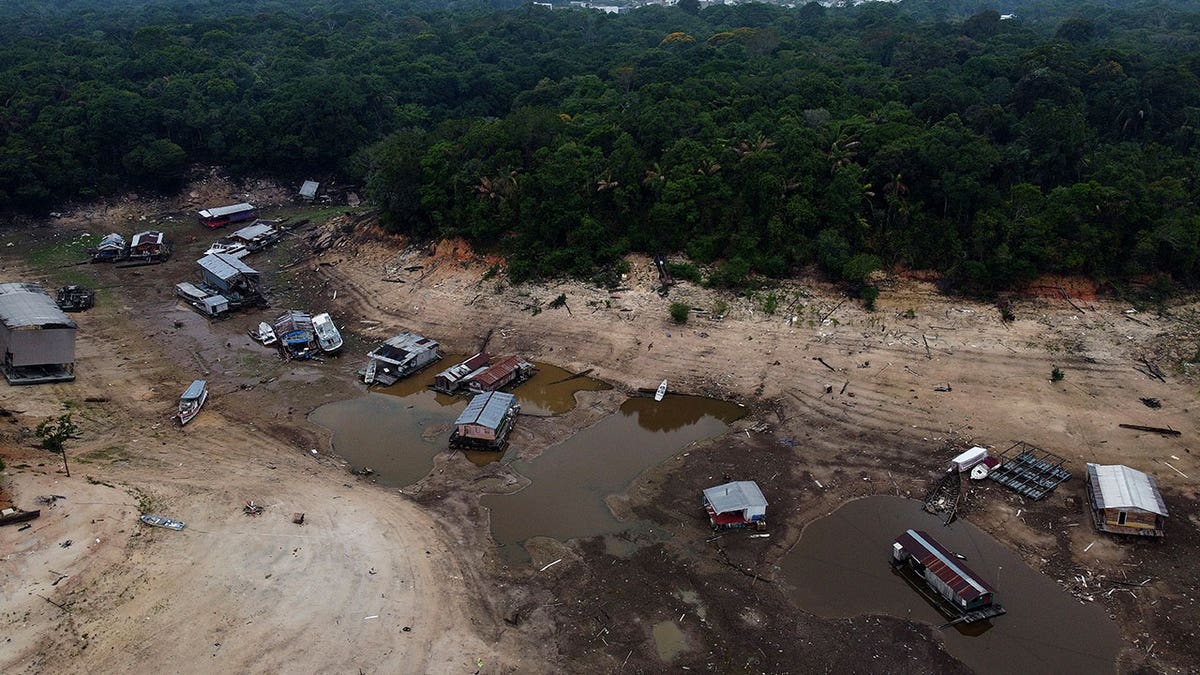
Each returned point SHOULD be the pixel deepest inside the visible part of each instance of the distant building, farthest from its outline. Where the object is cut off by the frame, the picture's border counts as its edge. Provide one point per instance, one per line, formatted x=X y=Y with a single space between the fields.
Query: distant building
x=149 y=245
x=308 y=191
x=1125 y=501
x=223 y=215
x=37 y=338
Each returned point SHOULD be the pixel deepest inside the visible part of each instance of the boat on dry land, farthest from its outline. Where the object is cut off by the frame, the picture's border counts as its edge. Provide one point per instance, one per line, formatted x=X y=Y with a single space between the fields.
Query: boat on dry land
x=192 y=400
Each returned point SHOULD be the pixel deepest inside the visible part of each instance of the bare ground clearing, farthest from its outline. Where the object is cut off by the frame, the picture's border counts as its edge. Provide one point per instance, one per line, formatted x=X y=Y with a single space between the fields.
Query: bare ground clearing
x=261 y=594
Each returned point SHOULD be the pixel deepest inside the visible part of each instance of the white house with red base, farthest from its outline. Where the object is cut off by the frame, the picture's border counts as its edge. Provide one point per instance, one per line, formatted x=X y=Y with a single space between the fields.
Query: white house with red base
x=736 y=504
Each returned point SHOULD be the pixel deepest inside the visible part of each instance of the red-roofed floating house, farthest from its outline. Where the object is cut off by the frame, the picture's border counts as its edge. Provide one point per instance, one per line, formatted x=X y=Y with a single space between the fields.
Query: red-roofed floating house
x=956 y=586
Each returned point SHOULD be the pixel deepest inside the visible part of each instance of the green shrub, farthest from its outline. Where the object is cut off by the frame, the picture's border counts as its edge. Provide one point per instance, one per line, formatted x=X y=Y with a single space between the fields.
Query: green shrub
x=770 y=304
x=1057 y=375
x=679 y=312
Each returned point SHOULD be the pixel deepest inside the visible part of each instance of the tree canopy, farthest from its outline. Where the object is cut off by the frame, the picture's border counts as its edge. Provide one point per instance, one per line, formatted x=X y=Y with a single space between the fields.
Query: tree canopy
x=755 y=138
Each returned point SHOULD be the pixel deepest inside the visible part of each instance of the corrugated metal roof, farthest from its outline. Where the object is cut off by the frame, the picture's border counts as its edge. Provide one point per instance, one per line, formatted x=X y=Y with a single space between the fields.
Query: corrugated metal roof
x=24 y=305
x=309 y=189
x=1116 y=486
x=225 y=266
x=251 y=231
x=736 y=496
x=226 y=210
x=498 y=371
x=487 y=409
x=962 y=579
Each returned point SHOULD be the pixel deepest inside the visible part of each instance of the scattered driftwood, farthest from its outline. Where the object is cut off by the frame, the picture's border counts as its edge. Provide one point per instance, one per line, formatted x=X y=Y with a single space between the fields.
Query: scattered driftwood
x=943 y=387
x=1066 y=297
x=928 y=355
x=394 y=281
x=830 y=312
x=585 y=373
x=1156 y=430
x=1154 y=370
x=298 y=518
x=1137 y=321
x=822 y=362
x=1151 y=402
x=252 y=509
x=844 y=387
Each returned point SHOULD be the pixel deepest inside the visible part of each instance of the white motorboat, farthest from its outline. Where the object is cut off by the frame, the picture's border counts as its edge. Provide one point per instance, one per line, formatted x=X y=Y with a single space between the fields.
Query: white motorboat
x=328 y=337
x=662 y=391
x=192 y=400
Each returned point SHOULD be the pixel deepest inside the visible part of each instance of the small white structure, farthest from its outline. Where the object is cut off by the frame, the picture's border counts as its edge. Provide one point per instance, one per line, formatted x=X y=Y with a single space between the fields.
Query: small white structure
x=967 y=460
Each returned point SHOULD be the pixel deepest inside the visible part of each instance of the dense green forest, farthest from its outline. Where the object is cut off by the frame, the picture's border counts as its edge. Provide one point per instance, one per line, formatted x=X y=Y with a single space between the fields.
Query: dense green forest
x=755 y=139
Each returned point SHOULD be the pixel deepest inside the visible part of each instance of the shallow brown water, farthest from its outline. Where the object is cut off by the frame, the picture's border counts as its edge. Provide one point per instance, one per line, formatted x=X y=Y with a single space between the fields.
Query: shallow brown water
x=551 y=390
x=394 y=430
x=571 y=479
x=398 y=430
x=840 y=569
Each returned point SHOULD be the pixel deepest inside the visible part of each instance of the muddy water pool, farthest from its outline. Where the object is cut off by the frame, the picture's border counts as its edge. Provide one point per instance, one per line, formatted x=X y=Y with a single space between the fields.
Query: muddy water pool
x=398 y=430
x=570 y=480
x=840 y=569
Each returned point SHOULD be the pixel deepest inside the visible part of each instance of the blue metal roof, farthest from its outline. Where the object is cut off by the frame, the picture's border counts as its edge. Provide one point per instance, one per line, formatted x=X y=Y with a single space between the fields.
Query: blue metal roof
x=487 y=409
x=194 y=390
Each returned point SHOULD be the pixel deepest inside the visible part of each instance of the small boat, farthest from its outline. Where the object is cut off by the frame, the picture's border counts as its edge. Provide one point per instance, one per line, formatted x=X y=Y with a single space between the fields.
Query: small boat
x=234 y=248
x=328 y=337
x=192 y=400
x=662 y=391
x=263 y=334
x=162 y=521
x=369 y=374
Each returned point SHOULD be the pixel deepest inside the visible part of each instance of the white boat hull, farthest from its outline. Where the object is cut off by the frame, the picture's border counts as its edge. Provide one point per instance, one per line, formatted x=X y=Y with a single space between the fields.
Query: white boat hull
x=662 y=391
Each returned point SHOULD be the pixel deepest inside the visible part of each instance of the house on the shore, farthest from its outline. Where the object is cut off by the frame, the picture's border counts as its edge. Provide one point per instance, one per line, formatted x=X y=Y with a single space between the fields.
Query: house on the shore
x=223 y=215
x=736 y=504
x=151 y=246
x=399 y=357
x=37 y=339
x=1125 y=501
x=229 y=275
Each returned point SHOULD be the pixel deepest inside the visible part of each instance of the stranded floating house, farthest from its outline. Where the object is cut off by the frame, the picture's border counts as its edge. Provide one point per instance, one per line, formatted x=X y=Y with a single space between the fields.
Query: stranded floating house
x=400 y=357
x=1125 y=501
x=450 y=380
x=223 y=215
x=512 y=370
x=736 y=504
x=958 y=591
x=485 y=423
x=36 y=338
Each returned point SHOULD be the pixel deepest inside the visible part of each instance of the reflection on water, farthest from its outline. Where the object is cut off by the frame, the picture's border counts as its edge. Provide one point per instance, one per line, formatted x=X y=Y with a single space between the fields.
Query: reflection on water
x=840 y=568
x=398 y=430
x=551 y=390
x=397 y=437
x=570 y=480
